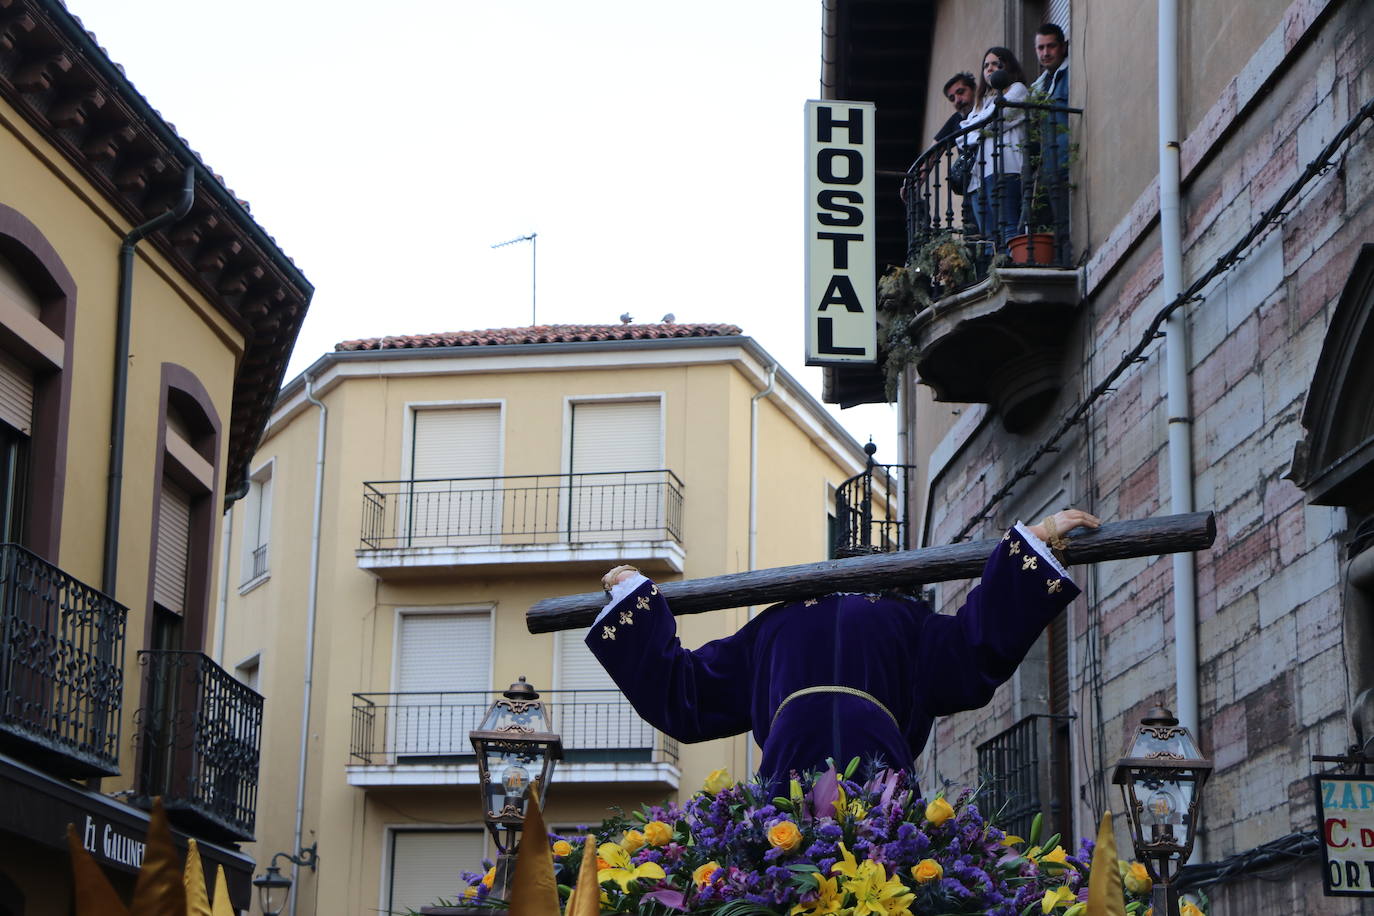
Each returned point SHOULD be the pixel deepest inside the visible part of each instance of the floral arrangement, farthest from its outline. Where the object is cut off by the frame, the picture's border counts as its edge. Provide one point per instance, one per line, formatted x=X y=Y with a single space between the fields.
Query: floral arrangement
x=832 y=845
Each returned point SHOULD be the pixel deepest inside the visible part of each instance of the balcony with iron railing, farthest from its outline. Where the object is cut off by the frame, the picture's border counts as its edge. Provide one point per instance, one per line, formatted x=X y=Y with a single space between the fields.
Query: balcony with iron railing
x=61 y=668
x=421 y=739
x=476 y=524
x=199 y=735
x=870 y=510
x=990 y=288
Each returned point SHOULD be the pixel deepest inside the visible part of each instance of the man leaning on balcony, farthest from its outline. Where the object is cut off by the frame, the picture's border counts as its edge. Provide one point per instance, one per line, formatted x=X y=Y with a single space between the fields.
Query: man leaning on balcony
x=842 y=675
x=1052 y=87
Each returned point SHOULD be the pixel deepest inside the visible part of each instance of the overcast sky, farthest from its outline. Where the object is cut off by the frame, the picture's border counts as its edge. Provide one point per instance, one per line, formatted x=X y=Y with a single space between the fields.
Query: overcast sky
x=655 y=148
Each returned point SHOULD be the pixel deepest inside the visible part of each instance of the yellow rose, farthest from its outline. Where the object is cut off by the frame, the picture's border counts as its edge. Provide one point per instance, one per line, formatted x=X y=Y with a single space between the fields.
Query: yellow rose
x=1137 y=879
x=939 y=811
x=702 y=876
x=489 y=878
x=561 y=848
x=633 y=841
x=658 y=833
x=926 y=871
x=785 y=836
x=1189 y=909
x=718 y=780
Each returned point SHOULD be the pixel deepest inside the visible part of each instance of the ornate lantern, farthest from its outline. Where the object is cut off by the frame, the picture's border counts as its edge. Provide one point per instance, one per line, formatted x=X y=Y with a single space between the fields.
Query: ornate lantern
x=1161 y=778
x=515 y=745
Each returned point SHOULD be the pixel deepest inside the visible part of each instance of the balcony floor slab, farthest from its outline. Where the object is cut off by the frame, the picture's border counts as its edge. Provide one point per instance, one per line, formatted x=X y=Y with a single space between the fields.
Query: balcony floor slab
x=656 y=775
x=482 y=559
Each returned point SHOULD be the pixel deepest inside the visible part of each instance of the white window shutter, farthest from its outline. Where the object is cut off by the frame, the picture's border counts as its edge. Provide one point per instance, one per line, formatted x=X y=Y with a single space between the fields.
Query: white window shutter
x=426 y=865
x=592 y=712
x=610 y=439
x=438 y=657
x=455 y=460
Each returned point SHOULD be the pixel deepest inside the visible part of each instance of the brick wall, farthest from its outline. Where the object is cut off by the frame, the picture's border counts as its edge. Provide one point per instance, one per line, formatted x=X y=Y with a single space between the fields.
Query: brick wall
x=1272 y=669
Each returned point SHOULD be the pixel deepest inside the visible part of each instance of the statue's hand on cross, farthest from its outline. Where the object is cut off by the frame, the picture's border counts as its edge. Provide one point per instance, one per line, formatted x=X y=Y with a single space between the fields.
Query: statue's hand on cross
x=1052 y=528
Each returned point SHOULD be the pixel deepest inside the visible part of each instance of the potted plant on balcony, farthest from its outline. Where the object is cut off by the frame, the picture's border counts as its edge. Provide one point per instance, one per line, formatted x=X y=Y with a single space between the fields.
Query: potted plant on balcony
x=1044 y=181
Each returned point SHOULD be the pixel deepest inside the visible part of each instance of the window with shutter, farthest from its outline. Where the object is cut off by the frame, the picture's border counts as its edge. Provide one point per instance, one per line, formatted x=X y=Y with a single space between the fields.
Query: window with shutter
x=173 y=548
x=425 y=865
x=611 y=440
x=443 y=671
x=455 y=462
x=257 y=523
x=596 y=722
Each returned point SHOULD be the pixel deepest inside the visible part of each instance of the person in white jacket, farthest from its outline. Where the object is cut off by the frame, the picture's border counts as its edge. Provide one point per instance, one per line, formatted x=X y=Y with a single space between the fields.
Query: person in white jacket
x=996 y=181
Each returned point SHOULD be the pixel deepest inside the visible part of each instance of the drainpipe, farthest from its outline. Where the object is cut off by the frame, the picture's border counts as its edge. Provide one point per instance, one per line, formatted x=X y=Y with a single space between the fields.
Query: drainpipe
x=311 y=603
x=754 y=511
x=1176 y=372
x=120 y=397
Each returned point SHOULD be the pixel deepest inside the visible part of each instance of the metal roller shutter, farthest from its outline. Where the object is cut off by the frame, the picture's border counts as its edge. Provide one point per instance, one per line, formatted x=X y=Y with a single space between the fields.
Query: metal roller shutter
x=16 y=393
x=173 y=548
x=619 y=437
x=449 y=445
x=439 y=654
x=426 y=864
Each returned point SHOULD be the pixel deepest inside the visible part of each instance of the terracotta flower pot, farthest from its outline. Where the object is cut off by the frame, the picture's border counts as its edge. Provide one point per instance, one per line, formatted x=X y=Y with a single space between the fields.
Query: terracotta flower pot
x=1031 y=248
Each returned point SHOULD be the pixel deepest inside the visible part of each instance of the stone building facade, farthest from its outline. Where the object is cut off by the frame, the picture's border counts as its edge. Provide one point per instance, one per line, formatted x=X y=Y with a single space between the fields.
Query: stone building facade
x=1277 y=165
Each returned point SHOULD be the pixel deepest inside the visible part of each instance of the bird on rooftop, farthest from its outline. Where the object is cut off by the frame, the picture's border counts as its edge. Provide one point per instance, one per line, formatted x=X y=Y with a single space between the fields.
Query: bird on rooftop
x=669 y=318
x=626 y=318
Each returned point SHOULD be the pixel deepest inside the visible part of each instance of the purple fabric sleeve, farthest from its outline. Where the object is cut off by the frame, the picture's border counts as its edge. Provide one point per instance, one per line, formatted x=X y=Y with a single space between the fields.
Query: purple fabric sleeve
x=964 y=657
x=693 y=696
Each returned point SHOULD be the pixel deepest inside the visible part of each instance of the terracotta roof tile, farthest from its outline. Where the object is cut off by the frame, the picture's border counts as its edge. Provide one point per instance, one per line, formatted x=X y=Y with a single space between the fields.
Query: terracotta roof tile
x=543 y=333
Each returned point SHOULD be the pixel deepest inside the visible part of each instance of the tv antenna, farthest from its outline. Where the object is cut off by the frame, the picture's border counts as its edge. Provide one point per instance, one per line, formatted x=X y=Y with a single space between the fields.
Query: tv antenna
x=532 y=238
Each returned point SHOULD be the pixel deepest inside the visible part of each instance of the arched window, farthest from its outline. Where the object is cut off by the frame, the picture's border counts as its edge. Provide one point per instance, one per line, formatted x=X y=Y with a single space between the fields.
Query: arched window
x=37 y=312
x=183 y=513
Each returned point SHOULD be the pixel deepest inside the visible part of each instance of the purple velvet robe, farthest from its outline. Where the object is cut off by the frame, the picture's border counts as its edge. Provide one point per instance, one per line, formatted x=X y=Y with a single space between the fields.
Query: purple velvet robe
x=917 y=663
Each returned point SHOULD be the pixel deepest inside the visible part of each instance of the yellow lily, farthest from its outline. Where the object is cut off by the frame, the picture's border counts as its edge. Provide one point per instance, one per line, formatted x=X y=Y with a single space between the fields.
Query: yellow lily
x=846 y=865
x=1053 y=899
x=875 y=894
x=620 y=870
x=1056 y=856
x=829 y=899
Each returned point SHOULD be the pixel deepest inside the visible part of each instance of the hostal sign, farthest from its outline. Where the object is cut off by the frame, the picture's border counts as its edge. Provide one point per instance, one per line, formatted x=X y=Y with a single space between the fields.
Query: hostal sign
x=841 y=299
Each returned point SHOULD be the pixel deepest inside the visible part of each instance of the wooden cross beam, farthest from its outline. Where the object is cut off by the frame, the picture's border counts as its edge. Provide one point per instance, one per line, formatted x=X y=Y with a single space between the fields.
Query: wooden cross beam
x=1145 y=537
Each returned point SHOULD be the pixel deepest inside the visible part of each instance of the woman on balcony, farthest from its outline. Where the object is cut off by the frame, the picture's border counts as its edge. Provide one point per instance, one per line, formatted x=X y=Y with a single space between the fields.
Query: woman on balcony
x=995 y=184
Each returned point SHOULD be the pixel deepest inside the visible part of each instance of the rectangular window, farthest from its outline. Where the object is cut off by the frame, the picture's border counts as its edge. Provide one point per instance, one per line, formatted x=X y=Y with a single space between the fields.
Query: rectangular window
x=257 y=524
x=443 y=674
x=595 y=720
x=612 y=498
x=247 y=672
x=427 y=864
x=455 y=463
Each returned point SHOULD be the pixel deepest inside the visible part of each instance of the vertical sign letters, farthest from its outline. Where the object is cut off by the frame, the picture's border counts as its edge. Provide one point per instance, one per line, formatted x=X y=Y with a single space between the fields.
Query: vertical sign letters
x=841 y=299
x=1345 y=813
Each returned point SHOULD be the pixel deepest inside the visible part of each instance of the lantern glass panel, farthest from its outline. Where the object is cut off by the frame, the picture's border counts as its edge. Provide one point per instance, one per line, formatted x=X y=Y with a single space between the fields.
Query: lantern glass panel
x=516 y=716
x=511 y=767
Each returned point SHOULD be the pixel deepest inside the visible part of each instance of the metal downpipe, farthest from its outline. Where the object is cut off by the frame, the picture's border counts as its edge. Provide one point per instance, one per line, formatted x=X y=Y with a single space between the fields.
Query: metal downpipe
x=120 y=396
x=1177 y=360
x=754 y=514
x=311 y=606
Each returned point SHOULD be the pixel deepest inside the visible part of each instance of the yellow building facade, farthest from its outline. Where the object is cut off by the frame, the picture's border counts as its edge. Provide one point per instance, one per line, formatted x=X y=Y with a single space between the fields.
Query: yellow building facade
x=461 y=479
x=120 y=249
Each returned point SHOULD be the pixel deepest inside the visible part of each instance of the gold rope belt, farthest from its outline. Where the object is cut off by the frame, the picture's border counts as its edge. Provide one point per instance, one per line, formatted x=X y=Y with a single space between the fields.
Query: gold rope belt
x=834 y=688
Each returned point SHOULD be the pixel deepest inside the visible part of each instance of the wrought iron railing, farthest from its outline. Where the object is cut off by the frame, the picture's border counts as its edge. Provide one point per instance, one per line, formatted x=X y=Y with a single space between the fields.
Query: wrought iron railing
x=61 y=667
x=257 y=563
x=597 y=726
x=1013 y=772
x=199 y=734
x=523 y=510
x=944 y=235
x=870 y=514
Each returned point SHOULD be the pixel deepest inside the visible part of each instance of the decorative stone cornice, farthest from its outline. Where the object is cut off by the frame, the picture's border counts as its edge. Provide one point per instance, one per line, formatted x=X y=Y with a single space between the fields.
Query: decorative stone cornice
x=55 y=75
